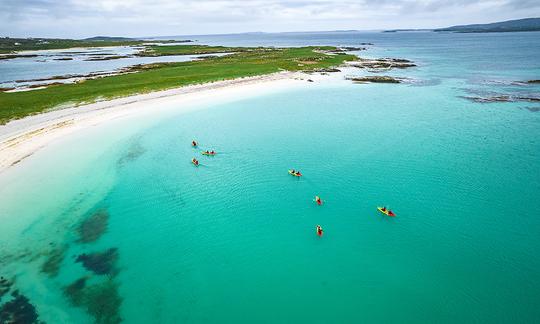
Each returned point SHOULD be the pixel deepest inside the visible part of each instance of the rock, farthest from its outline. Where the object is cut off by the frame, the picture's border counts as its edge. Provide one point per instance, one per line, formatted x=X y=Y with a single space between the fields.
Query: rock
x=382 y=63
x=366 y=43
x=63 y=59
x=349 y=48
x=533 y=81
x=375 y=79
x=12 y=56
x=309 y=80
x=502 y=98
x=107 y=58
x=327 y=70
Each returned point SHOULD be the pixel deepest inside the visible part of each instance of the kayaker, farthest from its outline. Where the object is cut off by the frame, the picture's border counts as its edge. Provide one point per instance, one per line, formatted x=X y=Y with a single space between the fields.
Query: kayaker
x=293 y=172
x=319 y=230
x=193 y=143
x=318 y=200
x=298 y=173
x=384 y=209
x=212 y=152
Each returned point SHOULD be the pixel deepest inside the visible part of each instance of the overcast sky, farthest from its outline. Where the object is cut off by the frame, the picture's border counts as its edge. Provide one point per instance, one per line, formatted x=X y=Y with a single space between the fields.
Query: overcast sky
x=84 y=18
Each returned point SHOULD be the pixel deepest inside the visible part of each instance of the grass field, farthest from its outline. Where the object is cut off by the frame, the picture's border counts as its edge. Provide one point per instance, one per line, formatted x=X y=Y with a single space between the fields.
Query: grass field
x=155 y=77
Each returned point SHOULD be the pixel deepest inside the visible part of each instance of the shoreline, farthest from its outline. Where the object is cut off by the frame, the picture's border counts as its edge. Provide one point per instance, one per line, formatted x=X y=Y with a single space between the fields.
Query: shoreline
x=21 y=138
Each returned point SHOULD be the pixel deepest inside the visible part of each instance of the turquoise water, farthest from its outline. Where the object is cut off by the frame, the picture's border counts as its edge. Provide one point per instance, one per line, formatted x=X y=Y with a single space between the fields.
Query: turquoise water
x=233 y=241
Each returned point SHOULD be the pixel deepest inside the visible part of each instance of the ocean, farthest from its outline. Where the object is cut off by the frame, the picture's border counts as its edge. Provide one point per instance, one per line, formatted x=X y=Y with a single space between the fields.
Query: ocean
x=115 y=224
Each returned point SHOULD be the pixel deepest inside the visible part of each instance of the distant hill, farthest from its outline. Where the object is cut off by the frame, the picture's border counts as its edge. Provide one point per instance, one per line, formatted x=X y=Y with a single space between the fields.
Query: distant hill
x=108 y=39
x=527 y=24
x=405 y=30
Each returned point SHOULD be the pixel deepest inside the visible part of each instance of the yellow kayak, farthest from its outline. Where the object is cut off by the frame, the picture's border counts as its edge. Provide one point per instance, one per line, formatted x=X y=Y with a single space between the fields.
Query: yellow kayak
x=295 y=174
x=387 y=212
x=208 y=153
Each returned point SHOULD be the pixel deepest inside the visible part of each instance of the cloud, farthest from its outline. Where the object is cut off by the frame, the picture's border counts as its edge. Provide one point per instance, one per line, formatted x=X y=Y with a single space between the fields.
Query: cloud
x=81 y=18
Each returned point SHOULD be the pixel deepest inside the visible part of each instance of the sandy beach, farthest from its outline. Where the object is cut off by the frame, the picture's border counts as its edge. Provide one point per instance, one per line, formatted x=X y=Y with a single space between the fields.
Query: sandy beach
x=21 y=138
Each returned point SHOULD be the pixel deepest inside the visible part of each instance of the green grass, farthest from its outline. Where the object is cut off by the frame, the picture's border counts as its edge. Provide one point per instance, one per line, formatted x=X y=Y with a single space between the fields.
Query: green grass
x=8 y=45
x=165 y=76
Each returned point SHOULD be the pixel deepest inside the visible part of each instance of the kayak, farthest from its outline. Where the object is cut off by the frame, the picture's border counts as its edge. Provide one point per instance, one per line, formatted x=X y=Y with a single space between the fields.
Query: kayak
x=208 y=153
x=318 y=200
x=195 y=162
x=386 y=212
x=319 y=230
x=294 y=174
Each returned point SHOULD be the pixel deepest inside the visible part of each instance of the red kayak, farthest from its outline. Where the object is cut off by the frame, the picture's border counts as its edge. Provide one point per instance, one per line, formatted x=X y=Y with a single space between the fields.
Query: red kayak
x=319 y=230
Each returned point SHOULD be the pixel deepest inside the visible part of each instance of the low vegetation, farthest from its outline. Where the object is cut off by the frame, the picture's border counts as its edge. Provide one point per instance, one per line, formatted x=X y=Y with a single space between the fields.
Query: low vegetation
x=153 y=77
x=157 y=50
x=9 y=45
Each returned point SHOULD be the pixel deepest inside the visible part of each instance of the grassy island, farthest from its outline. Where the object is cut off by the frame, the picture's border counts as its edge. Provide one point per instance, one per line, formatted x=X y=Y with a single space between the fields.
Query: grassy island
x=153 y=77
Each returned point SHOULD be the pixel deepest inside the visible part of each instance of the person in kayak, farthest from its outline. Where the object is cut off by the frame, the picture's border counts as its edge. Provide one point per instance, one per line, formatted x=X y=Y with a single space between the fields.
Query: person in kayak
x=212 y=152
x=383 y=209
x=319 y=230
x=195 y=161
x=297 y=173
x=318 y=200
x=193 y=143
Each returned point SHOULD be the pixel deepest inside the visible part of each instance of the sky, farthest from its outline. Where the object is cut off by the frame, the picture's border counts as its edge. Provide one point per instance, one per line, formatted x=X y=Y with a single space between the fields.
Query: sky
x=139 y=18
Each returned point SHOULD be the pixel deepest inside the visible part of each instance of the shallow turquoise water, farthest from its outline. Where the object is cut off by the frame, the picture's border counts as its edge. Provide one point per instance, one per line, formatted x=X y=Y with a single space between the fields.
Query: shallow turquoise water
x=233 y=241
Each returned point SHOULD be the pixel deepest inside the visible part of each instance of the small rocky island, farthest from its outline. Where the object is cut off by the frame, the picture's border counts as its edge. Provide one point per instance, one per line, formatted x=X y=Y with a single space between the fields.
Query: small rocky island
x=382 y=63
x=376 y=79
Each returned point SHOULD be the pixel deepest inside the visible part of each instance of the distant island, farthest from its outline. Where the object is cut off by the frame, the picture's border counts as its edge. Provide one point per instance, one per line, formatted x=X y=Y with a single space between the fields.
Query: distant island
x=519 y=25
x=12 y=45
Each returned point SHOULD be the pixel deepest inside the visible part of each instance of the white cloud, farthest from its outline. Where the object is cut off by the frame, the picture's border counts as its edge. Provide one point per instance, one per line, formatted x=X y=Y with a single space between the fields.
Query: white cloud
x=81 y=18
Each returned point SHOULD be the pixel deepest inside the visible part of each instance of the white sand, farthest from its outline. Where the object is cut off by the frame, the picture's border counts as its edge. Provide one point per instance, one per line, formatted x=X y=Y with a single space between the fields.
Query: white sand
x=21 y=138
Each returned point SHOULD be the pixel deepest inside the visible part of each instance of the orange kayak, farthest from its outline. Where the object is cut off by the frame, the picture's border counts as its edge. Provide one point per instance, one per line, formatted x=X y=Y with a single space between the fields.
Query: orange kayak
x=387 y=212
x=295 y=174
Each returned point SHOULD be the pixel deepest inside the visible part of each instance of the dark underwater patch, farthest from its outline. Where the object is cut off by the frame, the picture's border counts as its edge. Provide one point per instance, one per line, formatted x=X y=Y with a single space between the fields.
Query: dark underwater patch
x=94 y=226
x=133 y=153
x=18 y=310
x=100 y=263
x=485 y=96
x=75 y=291
x=51 y=266
x=101 y=300
x=533 y=109
x=5 y=286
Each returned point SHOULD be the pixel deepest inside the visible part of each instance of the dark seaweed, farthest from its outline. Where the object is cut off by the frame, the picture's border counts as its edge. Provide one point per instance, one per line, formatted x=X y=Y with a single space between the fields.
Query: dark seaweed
x=100 y=263
x=18 y=310
x=533 y=109
x=94 y=226
x=75 y=291
x=133 y=153
x=102 y=300
x=5 y=286
x=51 y=266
